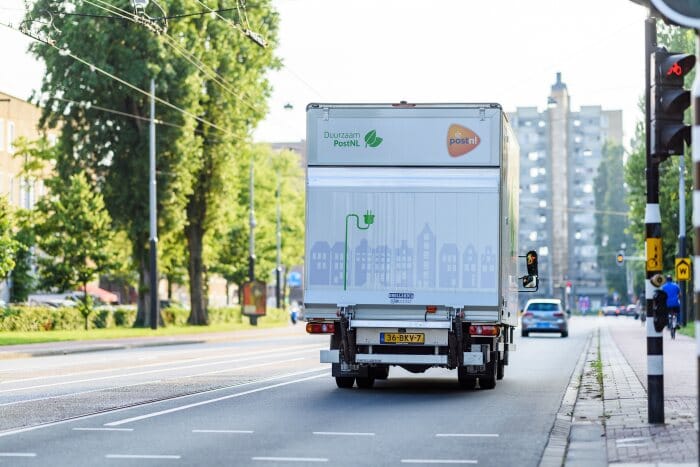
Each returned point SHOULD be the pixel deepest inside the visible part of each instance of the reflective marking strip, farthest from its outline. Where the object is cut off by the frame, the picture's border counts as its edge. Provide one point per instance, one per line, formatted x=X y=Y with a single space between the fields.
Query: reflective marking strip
x=652 y=214
x=224 y=431
x=437 y=461
x=649 y=289
x=338 y=433
x=696 y=208
x=651 y=332
x=655 y=365
x=141 y=456
x=103 y=429
x=466 y=435
x=17 y=454
x=290 y=459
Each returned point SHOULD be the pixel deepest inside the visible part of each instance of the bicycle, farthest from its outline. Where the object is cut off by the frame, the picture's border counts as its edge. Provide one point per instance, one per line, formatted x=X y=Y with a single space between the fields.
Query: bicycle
x=672 y=324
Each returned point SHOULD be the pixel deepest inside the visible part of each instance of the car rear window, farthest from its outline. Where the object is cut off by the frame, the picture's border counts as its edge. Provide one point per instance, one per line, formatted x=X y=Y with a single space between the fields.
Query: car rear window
x=543 y=307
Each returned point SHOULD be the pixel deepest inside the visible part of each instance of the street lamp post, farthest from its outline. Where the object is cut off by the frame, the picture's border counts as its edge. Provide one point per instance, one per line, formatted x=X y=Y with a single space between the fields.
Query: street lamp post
x=278 y=269
x=153 y=242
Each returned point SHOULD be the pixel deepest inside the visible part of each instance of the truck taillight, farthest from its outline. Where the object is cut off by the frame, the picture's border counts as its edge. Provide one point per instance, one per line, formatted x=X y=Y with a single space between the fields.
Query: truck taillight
x=479 y=330
x=320 y=328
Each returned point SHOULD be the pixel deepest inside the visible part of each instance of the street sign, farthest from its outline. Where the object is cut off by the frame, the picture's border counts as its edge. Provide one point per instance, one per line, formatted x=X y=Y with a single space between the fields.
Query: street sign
x=294 y=279
x=683 y=269
x=654 y=254
x=682 y=12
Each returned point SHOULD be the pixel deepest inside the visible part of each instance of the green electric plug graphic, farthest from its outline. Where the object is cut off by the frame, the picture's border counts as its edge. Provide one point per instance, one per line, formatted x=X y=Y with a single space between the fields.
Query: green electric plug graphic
x=369 y=220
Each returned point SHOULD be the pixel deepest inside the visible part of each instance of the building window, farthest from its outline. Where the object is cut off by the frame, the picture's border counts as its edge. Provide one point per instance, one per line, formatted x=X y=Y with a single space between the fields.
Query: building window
x=10 y=136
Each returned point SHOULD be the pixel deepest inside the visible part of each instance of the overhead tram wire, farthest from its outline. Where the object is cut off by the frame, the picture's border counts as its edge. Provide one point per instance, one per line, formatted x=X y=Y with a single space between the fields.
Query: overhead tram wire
x=208 y=71
x=94 y=67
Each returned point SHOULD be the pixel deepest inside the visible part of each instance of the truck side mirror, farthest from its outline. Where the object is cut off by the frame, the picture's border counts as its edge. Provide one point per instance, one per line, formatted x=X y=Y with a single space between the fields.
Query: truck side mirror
x=530 y=282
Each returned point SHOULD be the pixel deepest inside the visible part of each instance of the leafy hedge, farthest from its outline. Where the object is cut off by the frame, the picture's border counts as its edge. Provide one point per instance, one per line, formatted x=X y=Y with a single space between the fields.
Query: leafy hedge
x=43 y=318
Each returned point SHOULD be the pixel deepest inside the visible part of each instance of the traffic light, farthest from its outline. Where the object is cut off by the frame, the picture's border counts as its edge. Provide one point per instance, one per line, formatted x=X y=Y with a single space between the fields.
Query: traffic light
x=620 y=258
x=669 y=100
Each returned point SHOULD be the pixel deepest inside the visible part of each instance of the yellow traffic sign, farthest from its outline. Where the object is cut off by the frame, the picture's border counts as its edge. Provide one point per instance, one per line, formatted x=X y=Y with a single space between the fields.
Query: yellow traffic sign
x=682 y=269
x=654 y=254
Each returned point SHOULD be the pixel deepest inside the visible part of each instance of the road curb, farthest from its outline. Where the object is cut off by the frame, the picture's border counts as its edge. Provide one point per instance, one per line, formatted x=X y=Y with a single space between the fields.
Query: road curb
x=555 y=451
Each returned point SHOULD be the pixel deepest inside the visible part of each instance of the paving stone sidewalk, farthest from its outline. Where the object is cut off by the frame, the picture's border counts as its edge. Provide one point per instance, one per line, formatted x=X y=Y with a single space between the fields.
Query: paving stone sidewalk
x=630 y=439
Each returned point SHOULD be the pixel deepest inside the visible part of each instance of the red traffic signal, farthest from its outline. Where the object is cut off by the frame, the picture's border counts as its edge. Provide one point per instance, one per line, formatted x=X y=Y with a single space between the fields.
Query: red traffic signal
x=672 y=67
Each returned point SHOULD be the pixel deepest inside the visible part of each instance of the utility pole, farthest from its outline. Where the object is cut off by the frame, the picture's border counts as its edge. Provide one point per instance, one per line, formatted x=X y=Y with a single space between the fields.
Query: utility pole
x=251 y=240
x=681 y=236
x=153 y=242
x=278 y=269
x=654 y=255
x=695 y=136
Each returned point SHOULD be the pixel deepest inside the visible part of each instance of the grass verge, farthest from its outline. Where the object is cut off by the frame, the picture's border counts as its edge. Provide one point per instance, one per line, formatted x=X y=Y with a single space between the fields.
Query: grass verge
x=34 y=337
x=689 y=329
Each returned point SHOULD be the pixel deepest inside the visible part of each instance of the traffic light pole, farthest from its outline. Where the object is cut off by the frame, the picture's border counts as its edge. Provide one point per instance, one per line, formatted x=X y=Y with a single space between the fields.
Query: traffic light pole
x=696 y=214
x=652 y=219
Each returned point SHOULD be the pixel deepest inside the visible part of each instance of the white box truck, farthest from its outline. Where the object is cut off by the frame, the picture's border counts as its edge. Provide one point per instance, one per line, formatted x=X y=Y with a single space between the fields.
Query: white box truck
x=411 y=239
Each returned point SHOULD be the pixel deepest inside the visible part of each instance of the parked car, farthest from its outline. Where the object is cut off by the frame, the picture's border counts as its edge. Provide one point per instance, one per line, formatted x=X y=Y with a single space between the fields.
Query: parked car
x=631 y=310
x=544 y=315
x=611 y=310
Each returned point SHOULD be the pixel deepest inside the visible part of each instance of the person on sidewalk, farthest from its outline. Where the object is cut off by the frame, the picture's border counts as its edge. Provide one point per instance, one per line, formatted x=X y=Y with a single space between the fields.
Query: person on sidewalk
x=673 y=303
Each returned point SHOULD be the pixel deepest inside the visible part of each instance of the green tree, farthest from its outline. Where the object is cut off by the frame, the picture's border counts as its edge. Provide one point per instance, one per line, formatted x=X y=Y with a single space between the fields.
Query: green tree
x=8 y=245
x=611 y=216
x=234 y=98
x=271 y=168
x=74 y=235
x=113 y=148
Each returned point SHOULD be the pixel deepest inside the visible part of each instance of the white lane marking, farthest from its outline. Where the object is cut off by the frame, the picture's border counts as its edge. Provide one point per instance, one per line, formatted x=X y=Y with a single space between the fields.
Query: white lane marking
x=17 y=454
x=438 y=461
x=631 y=440
x=224 y=431
x=138 y=373
x=290 y=459
x=299 y=348
x=57 y=396
x=103 y=429
x=218 y=399
x=467 y=435
x=122 y=409
x=142 y=456
x=341 y=433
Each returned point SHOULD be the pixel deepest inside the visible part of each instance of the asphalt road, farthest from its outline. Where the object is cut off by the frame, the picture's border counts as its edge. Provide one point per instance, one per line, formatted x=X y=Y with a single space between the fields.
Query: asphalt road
x=268 y=402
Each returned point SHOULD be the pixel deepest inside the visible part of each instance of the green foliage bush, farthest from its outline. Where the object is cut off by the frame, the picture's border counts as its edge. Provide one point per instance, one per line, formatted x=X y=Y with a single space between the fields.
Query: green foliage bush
x=44 y=318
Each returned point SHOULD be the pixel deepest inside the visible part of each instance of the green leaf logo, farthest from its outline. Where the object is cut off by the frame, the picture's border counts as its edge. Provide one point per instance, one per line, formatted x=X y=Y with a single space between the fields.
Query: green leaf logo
x=372 y=140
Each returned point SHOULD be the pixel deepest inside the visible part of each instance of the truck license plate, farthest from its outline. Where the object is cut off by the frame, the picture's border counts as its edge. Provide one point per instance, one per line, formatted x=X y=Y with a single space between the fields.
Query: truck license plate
x=401 y=338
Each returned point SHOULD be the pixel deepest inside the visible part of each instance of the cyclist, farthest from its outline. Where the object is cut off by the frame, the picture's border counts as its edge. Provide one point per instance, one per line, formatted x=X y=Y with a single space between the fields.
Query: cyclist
x=672 y=303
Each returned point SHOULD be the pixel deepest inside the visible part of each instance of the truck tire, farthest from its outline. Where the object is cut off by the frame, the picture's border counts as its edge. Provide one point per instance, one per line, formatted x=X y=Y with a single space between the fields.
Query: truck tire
x=489 y=380
x=501 y=369
x=365 y=383
x=379 y=372
x=344 y=382
x=466 y=381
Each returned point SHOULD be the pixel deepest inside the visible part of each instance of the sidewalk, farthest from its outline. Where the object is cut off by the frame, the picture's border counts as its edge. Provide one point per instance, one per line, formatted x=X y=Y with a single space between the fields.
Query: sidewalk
x=71 y=347
x=612 y=428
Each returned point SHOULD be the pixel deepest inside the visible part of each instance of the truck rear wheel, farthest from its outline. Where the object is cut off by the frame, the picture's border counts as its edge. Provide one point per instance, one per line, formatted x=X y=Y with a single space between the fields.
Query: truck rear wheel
x=489 y=380
x=466 y=381
x=365 y=383
x=344 y=382
x=501 y=369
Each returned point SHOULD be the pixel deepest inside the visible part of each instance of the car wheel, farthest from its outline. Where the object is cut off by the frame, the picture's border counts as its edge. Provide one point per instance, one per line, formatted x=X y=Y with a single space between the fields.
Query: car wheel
x=524 y=333
x=344 y=382
x=565 y=334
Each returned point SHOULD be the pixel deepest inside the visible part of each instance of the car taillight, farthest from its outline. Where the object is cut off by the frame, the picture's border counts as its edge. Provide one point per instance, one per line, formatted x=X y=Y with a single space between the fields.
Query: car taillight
x=320 y=328
x=528 y=315
x=479 y=330
x=558 y=314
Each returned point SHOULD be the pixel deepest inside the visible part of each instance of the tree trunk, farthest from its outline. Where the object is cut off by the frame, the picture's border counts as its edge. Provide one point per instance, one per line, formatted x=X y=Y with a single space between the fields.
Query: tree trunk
x=198 y=308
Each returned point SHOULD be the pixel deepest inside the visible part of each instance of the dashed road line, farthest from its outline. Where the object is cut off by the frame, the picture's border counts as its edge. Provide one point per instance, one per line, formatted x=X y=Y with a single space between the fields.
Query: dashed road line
x=17 y=454
x=103 y=429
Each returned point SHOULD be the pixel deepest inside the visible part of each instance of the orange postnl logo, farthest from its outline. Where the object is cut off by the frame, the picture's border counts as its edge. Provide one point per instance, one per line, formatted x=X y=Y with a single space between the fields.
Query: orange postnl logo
x=461 y=140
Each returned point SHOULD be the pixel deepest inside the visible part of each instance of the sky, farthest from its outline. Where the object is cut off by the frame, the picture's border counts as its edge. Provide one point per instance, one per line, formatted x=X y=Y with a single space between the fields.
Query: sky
x=504 y=51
